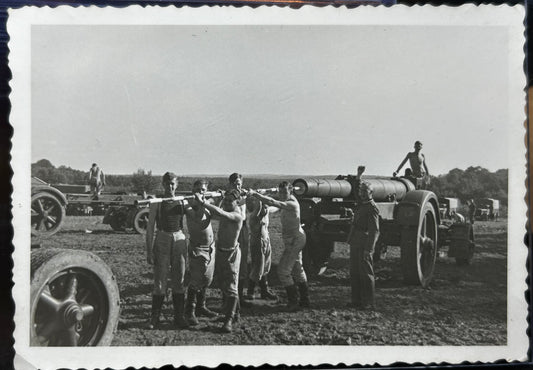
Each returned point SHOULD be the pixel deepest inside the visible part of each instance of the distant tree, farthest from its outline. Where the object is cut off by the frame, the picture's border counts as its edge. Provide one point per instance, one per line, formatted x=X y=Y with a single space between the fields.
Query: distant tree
x=144 y=181
x=45 y=163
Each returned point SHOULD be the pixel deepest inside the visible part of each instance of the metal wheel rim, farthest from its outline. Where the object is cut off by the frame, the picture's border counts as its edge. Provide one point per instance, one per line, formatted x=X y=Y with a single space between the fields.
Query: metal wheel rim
x=72 y=309
x=141 y=221
x=427 y=236
x=45 y=213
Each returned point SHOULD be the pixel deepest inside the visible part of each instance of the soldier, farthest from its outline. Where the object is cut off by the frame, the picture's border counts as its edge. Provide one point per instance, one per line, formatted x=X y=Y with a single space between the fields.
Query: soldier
x=201 y=256
x=417 y=161
x=235 y=182
x=260 y=248
x=362 y=239
x=96 y=180
x=290 y=267
x=228 y=253
x=168 y=252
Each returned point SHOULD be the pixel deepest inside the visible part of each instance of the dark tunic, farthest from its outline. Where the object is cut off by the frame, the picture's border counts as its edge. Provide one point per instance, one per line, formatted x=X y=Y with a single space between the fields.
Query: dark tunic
x=170 y=216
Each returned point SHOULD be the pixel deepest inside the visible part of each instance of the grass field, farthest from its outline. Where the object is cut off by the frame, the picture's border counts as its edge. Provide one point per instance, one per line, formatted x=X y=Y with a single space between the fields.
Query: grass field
x=464 y=305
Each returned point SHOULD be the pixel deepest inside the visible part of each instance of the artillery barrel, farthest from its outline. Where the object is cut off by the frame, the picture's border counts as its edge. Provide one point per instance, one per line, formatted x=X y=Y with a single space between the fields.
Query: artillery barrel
x=383 y=189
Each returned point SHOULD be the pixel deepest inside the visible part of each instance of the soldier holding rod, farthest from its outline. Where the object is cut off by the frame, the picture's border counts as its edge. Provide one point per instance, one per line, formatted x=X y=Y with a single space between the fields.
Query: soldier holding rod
x=228 y=253
x=168 y=253
x=362 y=239
x=290 y=268
x=201 y=255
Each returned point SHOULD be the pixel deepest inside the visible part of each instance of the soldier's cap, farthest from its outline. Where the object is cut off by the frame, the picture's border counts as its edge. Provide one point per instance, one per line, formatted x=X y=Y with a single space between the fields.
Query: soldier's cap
x=365 y=185
x=233 y=194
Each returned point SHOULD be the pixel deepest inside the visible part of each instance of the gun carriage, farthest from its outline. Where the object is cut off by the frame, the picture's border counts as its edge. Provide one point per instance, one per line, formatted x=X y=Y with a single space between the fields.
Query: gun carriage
x=409 y=218
x=50 y=203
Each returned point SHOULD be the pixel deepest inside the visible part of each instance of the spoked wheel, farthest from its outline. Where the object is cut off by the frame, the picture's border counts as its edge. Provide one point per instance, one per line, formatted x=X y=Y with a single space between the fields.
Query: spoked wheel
x=74 y=299
x=47 y=214
x=140 y=221
x=419 y=248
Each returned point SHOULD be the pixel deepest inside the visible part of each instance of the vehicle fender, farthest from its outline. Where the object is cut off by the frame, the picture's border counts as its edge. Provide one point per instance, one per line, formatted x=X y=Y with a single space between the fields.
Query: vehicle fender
x=51 y=190
x=407 y=213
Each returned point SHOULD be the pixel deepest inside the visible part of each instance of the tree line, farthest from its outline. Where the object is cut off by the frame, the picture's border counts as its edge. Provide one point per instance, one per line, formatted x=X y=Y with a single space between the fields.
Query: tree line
x=474 y=182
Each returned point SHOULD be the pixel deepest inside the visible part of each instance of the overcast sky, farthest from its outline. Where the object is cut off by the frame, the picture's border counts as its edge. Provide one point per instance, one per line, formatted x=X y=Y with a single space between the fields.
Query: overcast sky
x=268 y=99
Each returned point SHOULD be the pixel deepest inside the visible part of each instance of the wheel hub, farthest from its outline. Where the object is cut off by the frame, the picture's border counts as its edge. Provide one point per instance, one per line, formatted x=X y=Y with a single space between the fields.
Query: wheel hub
x=72 y=314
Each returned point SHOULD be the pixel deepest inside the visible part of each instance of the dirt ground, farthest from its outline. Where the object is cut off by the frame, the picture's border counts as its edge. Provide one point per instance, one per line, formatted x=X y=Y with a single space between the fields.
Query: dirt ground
x=465 y=305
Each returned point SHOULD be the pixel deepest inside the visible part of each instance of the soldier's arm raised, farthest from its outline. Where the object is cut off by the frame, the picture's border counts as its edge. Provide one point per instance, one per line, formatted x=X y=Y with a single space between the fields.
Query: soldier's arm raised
x=288 y=205
x=232 y=216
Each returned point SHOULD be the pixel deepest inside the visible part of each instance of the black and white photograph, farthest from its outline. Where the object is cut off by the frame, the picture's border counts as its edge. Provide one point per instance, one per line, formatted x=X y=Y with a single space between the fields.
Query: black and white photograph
x=320 y=185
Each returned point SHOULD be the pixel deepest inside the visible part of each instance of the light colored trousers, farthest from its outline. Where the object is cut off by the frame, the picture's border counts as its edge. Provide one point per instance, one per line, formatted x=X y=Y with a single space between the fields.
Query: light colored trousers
x=201 y=265
x=290 y=267
x=261 y=253
x=170 y=258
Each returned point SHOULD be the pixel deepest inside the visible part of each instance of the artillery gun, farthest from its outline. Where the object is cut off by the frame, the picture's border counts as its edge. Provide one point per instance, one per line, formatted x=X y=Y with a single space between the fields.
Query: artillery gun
x=409 y=218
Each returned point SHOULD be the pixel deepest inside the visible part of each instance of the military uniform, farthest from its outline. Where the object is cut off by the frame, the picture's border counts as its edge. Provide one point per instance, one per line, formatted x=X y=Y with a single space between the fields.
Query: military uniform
x=363 y=237
x=170 y=257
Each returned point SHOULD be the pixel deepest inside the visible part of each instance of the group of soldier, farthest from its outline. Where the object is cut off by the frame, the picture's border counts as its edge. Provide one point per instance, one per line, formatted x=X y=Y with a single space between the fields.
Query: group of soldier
x=243 y=229
x=242 y=232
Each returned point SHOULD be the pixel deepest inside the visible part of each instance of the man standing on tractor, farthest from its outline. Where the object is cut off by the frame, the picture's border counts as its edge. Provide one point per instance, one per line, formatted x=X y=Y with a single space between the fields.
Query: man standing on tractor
x=168 y=253
x=260 y=248
x=362 y=239
x=96 y=180
x=290 y=268
x=201 y=256
x=417 y=161
x=228 y=252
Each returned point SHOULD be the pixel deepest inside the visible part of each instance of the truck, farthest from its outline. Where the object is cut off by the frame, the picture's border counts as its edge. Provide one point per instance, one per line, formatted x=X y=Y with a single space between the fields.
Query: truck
x=409 y=219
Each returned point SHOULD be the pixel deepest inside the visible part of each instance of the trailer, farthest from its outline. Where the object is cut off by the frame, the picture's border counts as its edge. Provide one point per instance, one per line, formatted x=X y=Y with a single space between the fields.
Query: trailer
x=50 y=204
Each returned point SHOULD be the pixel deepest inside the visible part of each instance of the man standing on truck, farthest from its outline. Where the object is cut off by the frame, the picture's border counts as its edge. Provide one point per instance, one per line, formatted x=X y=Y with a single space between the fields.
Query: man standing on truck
x=362 y=239
x=168 y=253
x=201 y=255
x=417 y=161
x=290 y=268
x=96 y=180
x=228 y=253
x=260 y=248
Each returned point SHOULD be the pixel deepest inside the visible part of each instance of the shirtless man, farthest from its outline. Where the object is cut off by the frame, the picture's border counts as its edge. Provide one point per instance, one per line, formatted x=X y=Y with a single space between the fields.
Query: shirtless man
x=228 y=253
x=201 y=256
x=96 y=180
x=235 y=182
x=168 y=253
x=290 y=268
x=260 y=248
x=417 y=161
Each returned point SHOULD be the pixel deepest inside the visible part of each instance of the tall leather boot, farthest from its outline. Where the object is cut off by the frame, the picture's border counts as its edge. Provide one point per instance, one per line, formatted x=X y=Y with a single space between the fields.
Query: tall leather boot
x=178 y=301
x=230 y=313
x=157 y=304
x=201 y=308
x=303 y=289
x=251 y=288
x=242 y=301
x=190 y=307
x=265 y=292
x=292 y=298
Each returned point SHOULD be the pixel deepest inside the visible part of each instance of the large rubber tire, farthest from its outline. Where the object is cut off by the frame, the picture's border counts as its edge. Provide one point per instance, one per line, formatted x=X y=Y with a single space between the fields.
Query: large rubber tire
x=140 y=220
x=47 y=214
x=419 y=248
x=64 y=283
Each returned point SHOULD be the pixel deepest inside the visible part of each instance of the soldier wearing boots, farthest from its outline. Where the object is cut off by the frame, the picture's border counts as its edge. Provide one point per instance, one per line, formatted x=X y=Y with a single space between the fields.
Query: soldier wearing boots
x=362 y=239
x=168 y=253
x=235 y=182
x=201 y=256
x=290 y=268
x=228 y=253
x=260 y=248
